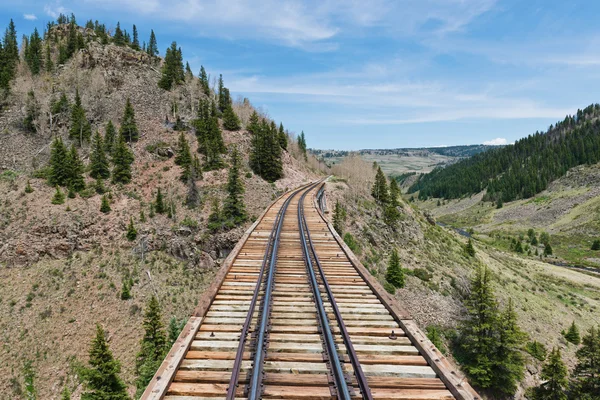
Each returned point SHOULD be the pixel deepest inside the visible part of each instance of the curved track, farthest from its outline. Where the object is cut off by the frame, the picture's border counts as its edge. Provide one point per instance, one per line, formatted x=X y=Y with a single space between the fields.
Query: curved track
x=293 y=315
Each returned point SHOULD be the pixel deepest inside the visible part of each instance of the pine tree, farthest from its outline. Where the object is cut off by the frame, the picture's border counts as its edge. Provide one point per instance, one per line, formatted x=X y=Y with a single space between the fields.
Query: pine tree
x=339 y=218
x=470 y=249
x=231 y=122
x=554 y=373
x=110 y=134
x=394 y=274
x=135 y=43
x=159 y=203
x=221 y=95
x=122 y=160
x=509 y=363
x=478 y=340
x=302 y=145
x=80 y=127
x=59 y=196
x=204 y=81
x=153 y=346
x=572 y=335
x=380 y=191
x=188 y=71
x=102 y=379
x=391 y=215
x=105 y=205
x=118 y=37
x=59 y=169
x=129 y=128
x=9 y=56
x=193 y=196
x=131 y=231
x=394 y=193
x=234 y=209
x=283 y=138
x=184 y=157
x=33 y=53
x=48 y=64
x=586 y=376
x=596 y=245
x=174 y=330
x=28 y=188
x=152 y=48
x=75 y=167
x=547 y=250
x=99 y=168
x=215 y=218
x=172 y=70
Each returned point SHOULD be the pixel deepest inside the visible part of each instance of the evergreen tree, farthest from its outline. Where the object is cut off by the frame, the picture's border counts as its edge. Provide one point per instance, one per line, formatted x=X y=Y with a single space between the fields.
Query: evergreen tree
x=135 y=43
x=129 y=128
x=547 y=250
x=470 y=249
x=9 y=56
x=102 y=381
x=554 y=373
x=59 y=196
x=59 y=169
x=122 y=160
x=188 y=70
x=339 y=218
x=80 y=127
x=172 y=70
x=174 y=330
x=519 y=247
x=99 y=168
x=184 y=157
x=33 y=53
x=214 y=145
x=586 y=376
x=596 y=245
x=215 y=218
x=283 y=138
x=231 y=122
x=572 y=335
x=234 y=209
x=118 y=37
x=380 y=191
x=131 y=234
x=221 y=95
x=105 y=205
x=509 y=364
x=265 y=153
x=110 y=134
x=204 y=82
x=302 y=145
x=159 y=203
x=28 y=188
x=153 y=346
x=193 y=196
x=75 y=167
x=394 y=193
x=152 y=48
x=478 y=341
x=394 y=274
x=48 y=64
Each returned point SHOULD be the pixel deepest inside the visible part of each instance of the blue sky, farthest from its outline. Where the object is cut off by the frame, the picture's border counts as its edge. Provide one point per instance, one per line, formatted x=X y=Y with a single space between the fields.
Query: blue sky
x=374 y=74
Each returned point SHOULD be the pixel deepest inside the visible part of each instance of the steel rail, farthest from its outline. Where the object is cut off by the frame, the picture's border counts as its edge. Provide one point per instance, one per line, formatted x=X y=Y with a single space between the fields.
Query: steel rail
x=360 y=375
x=255 y=385
x=341 y=386
x=273 y=238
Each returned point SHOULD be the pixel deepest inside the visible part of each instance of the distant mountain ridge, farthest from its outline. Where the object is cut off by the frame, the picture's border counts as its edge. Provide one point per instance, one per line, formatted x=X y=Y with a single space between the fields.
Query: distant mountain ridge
x=523 y=169
x=451 y=151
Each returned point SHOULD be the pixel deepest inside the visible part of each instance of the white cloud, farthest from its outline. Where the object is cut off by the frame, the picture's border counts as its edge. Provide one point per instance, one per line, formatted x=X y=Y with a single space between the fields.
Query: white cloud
x=55 y=9
x=496 y=142
x=30 y=17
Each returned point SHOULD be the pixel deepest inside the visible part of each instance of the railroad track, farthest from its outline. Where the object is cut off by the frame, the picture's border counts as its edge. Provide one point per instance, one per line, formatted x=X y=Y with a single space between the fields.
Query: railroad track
x=293 y=314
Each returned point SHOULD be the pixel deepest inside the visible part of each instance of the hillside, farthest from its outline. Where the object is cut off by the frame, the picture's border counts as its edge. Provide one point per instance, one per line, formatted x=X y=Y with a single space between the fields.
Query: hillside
x=521 y=170
x=547 y=298
x=395 y=162
x=63 y=267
